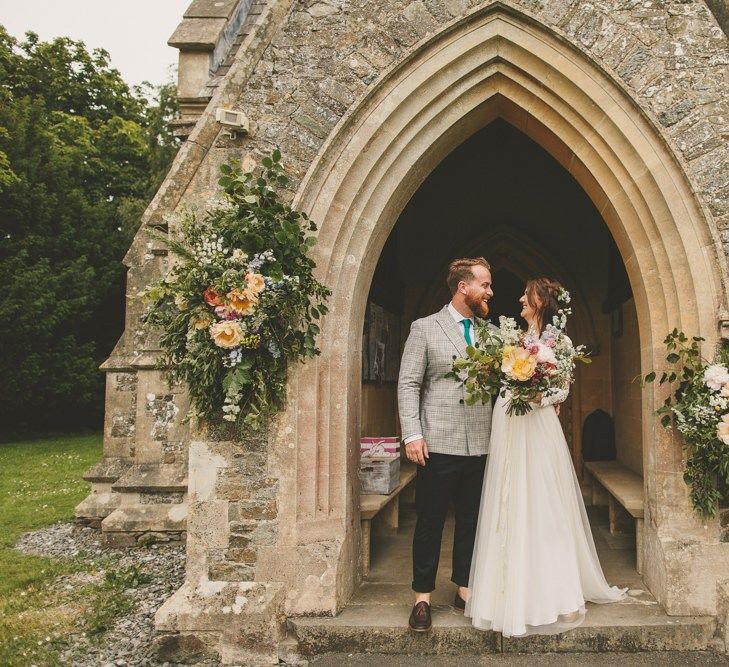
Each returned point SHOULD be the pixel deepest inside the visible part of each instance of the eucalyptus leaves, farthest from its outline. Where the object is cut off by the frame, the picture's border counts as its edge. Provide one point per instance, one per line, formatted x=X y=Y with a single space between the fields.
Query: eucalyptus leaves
x=243 y=301
x=699 y=409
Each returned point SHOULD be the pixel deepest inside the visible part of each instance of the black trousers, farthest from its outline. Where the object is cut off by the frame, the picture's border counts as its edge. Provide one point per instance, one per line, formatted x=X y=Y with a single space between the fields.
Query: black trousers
x=443 y=478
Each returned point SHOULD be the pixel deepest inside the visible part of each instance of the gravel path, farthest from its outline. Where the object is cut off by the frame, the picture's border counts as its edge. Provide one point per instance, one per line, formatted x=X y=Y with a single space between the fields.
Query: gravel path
x=130 y=642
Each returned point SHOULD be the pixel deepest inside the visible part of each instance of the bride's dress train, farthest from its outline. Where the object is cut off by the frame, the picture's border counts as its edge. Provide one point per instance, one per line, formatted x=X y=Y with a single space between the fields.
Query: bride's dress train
x=534 y=563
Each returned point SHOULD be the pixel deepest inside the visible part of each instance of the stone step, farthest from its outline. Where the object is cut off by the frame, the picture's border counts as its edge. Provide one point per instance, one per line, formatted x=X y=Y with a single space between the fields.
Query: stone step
x=126 y=525
x=153 y=478
x=633 y=626
x=579 y=659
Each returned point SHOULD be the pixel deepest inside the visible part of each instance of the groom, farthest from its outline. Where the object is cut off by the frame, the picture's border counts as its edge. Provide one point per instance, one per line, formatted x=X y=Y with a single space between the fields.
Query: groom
x=445 y=437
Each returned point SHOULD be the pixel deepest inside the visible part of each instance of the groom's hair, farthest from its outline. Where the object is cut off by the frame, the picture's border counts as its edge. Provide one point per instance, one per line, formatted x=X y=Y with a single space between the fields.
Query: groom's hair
x=461 y=269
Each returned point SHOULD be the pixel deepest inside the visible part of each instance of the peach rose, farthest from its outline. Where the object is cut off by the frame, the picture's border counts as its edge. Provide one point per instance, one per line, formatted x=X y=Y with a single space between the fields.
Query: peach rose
x=242 y=301
x=226 y=334
x=255 y=282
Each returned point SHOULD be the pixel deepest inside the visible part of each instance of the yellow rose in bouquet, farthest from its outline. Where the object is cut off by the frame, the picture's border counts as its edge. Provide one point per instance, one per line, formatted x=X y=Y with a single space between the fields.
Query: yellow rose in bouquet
x=518 y=363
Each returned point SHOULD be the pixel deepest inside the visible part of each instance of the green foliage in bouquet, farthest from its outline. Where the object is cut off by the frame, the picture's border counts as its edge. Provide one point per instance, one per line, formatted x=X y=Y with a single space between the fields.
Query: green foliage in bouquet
x=479 y=370
x=242 y=302
x=699 y=408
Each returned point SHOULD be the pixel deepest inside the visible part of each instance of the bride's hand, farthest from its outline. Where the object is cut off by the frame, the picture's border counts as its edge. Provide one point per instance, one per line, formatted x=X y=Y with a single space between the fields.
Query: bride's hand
x=557 y=408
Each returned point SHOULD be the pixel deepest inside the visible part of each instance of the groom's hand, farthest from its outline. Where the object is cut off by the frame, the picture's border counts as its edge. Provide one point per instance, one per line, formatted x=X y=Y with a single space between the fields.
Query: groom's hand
x=417 y=451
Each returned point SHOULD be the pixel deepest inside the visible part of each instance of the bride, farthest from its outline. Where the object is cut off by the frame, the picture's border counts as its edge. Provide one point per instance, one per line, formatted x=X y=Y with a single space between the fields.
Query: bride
x=534 y=563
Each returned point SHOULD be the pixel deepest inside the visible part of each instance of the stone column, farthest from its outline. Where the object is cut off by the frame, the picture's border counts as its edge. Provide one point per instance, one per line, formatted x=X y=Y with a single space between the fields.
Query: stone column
x=209 y=31
x=139 y=487
x=223 y=608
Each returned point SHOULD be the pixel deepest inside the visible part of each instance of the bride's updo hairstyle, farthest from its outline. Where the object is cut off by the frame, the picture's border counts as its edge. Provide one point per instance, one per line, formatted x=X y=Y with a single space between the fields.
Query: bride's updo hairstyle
x=546 y=291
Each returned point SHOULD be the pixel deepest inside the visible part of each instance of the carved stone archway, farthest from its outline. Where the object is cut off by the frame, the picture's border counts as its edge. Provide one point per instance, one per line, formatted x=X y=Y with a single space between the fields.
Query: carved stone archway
x=498 y=63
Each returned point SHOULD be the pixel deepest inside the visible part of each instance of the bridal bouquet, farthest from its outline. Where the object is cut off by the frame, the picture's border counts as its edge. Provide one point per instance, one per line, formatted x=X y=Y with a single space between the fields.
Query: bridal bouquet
x=524 y=366
x=241 y=300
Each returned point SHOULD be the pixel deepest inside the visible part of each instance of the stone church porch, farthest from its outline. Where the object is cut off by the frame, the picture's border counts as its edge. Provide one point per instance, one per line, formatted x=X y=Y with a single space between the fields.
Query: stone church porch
x=582 y=171
x=376 y=618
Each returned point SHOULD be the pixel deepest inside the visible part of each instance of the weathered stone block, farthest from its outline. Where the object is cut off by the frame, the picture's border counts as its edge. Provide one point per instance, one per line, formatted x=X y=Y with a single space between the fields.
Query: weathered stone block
x=399 y=29
x=698 y=140
x=240 y=510
x=232 y=571
x=586 y=24
x=197 y=34
x=675 y=113
x=124 y=381
x=634 y=63
x=187 y=648
x=123 y=425
x=248 y=616
x=161 y=498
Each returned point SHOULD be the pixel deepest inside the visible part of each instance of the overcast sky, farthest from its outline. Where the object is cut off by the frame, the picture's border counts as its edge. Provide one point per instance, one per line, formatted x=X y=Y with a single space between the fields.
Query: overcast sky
x=134 y=32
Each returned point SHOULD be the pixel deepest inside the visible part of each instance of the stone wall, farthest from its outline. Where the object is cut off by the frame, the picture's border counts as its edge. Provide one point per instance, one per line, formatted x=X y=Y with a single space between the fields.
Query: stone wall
x=670 y=56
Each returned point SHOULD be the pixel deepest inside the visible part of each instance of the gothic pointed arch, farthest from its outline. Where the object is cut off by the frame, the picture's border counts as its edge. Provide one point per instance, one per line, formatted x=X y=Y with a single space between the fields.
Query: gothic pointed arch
x=498 y=62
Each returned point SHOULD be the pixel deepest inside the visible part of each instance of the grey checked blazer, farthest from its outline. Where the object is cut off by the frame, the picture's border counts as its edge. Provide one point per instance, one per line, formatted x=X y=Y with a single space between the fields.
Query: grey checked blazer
x=431 y=404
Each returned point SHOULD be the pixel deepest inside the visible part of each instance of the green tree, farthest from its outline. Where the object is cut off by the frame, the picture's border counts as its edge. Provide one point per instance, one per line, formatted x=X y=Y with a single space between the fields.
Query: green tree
x=80 y=156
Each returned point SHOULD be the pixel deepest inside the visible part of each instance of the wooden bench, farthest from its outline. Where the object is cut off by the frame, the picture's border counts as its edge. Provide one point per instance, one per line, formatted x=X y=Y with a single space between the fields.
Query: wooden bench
x=386 y=508
x=623 y=486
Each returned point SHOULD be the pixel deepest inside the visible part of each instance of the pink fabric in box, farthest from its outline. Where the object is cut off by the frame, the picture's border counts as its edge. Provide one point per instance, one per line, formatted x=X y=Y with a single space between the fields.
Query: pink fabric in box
x=379 y=448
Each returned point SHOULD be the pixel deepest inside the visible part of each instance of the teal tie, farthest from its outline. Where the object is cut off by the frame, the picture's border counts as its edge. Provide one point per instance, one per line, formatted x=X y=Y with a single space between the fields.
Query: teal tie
x=467 y=331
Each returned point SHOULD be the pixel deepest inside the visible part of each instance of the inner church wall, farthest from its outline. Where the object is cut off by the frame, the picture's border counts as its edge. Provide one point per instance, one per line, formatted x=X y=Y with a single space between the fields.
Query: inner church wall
x=625 y=361
x=500 y=196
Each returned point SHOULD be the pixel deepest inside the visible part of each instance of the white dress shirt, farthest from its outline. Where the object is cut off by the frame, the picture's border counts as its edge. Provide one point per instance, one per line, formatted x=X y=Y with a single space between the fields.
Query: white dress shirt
x=458 y=318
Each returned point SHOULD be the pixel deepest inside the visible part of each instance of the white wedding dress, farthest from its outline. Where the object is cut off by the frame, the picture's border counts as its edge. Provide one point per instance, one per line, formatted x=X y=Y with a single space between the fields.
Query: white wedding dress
x=534 y=562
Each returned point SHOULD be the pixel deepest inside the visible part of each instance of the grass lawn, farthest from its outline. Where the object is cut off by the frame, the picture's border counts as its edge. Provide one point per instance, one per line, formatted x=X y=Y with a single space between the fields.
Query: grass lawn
x=40 y=483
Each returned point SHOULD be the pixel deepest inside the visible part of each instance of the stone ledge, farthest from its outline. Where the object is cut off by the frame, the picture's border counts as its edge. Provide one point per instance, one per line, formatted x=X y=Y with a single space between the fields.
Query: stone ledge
x=146 y=518
x=99 y=504
x=107 y=470
x=132 y=362
x=199 y=34
x=221 y=9
x=153 y=478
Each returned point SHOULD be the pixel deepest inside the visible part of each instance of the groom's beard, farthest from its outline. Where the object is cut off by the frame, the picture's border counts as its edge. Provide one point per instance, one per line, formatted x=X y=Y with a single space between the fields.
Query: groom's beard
x=479 y=307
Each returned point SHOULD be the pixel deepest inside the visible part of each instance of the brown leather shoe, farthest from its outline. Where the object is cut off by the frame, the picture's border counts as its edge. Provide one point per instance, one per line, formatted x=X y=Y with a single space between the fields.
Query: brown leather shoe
x=420 y=620
x=459 y=603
